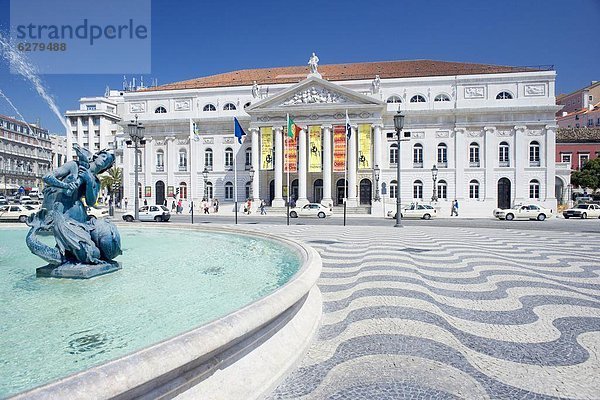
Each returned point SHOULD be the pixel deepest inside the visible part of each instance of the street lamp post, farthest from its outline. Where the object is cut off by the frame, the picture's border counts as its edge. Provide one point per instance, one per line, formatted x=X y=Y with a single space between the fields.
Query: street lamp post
x=136 y=135
x=251 y=172
x=434 y=174
x=398 y=124
x=376 y=171
x=205 y=176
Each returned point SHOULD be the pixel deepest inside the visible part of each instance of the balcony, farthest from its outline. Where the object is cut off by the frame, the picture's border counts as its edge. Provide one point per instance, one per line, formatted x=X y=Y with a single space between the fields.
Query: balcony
x=417 y=164
x=160 y=168
x=182 y=168
x=208 y=167
x=474 y=164
x=504 y=164
x=442 y=164
x=534 y=163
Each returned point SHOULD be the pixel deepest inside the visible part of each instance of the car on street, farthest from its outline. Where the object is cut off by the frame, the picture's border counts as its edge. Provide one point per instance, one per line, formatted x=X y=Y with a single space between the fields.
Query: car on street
x=24 y=199
x=583 y=211
x=311 y=210
x=33 y=203
x=418 y=211
x=3 y=202
x=527 y=211
x=16 y=212
x=93 y=212
x=149 y=213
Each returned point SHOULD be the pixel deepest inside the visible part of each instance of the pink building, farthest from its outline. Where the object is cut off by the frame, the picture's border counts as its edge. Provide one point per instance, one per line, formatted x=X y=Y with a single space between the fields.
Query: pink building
x=577 y=145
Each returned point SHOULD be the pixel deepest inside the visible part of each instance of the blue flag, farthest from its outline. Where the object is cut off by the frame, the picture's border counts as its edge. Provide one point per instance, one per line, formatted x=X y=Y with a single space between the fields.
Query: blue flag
x=238 y=131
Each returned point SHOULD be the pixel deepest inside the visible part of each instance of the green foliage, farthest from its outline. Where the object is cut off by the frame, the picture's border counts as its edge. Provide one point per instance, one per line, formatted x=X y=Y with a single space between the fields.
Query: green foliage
x=588 y=176
x=112 y=179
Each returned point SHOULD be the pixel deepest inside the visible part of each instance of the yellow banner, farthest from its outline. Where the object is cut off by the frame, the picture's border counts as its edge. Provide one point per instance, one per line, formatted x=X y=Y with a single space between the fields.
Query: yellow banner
x=266 y=148
x=315 y=154
x=339 y=148
x=364 y=146
x=290 y=162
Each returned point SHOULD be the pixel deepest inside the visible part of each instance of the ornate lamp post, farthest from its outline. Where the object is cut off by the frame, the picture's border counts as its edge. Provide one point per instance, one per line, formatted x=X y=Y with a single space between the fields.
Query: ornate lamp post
x=205 y=177
x=136 y=135
x=376 y=171
x=251 y=172
x=434 y=174
x=398 y=124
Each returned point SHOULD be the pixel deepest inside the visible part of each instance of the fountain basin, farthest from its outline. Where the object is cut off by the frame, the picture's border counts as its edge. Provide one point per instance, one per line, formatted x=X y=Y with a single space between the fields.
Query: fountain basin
x=241 y=354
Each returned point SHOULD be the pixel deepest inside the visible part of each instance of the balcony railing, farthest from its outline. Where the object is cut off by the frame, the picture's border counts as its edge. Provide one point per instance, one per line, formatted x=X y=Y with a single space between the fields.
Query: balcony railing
x=417 y=165
x=504 y=164
x=208 y=167
x=474 y=164
x=534 y=163
x=182 y=168
x=160 y=168
x=443 y=164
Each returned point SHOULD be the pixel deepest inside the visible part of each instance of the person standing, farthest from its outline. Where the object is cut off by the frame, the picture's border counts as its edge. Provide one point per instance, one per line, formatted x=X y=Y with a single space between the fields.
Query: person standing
x=262 y=208
x=454 y=208
x=145 y=202
x=126 y=202
x=173 y=206
x=205 y=207
x=179 y=207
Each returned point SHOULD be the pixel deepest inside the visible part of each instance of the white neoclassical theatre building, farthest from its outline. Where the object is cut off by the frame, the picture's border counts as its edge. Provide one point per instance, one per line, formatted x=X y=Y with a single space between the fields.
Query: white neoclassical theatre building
x=489 y=130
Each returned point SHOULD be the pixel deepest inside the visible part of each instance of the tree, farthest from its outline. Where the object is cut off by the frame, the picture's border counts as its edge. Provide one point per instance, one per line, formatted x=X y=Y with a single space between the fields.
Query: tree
x=588 y=176
x=112 y=179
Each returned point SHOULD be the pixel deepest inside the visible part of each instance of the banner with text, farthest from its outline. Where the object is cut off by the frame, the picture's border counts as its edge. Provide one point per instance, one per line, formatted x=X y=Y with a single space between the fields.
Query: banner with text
x=315 y=156
x=364 y=146
x=291 y=153
x=339 y=148
x=266 y=148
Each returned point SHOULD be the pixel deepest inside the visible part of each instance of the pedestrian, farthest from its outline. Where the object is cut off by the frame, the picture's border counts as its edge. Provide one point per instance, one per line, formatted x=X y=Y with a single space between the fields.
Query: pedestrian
x=249 y=205
x=292 y=203
x=165 y=202
x=454 y=208
x=214 y=205
x=206 y=207
x=179 y=207
x=173 y=206
x=262 y=208
x=145 y=202
x=126 y=202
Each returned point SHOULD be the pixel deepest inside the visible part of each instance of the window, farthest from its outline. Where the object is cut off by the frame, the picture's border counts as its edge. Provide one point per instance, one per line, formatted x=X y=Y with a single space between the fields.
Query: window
x=160 y=161
x=96 y=121
x=183 y=190
x=591 y=122
x=474 y=155
x=228 y=158
x=247 y=105
x=394 y=99
x=248 y=184
x=229 y=107
x=139 y=190
x=208 y=159
x=393 y=189
x=441 y=97
x=417 y=99
x=504 y=96
x=418 y=190
x=583 y=158
x=442 y=155
x=565 y=157
x=229 y=191
x=209 y=107
x=474 y=189
x=394 y=154
x=90 y=107
x=248 y=162
x=209 y=190
x=418 y=156
x=160 y=110
x=182 y=160
x=503 y=157
x=442 y=190
x=534 y=189
x=534 y=154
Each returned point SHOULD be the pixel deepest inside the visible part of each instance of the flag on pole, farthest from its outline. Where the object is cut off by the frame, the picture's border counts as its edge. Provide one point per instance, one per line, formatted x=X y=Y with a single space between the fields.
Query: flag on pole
x=292 y=128
x=238 y=131
x=348 y=126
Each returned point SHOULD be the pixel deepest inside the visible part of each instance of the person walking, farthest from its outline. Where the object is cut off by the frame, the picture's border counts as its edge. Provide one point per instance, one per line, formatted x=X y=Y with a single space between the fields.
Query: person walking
x=126 y=202
x=249 y=205
x=454 y=208
x=205 y=206
x=179 y=207
x=173 y=206
x=145 y=202
x=262 y=208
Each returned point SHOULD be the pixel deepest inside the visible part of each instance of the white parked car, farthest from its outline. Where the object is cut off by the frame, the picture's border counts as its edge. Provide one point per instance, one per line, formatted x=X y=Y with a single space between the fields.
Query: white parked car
x=583 y=211
x=15 y=212
x=24 y=199
x=528 y=211
x=93 y=212
x=150 y=213
x=420 y=211
x=311 y=210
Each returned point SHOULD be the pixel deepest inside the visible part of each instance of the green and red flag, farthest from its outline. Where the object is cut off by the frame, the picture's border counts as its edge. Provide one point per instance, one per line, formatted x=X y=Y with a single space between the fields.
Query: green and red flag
x=292 y=128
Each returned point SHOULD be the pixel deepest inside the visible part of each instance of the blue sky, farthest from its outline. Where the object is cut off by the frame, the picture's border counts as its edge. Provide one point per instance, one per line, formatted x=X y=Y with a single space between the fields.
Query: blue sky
x=198 y=38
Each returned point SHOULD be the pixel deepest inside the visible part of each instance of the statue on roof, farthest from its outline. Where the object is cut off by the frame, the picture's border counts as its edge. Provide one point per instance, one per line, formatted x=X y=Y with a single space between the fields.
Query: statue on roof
x=313 y=62
x=376 y=84
x=255 y=90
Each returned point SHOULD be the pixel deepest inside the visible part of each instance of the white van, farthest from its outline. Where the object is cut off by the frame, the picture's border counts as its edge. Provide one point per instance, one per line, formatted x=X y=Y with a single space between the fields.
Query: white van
x=35 y=192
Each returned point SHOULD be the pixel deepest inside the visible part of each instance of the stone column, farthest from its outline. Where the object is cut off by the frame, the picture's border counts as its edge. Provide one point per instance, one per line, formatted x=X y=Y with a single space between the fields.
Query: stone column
x=302 y=170
x=490 y=153
x=327 y=200
x=171 y=162
x=352 y=192
x=278 y=200
x=460 y=160
x=255 y=165
x=377 y=206
x=550 y=164
x=521 y=157
x=148 y=166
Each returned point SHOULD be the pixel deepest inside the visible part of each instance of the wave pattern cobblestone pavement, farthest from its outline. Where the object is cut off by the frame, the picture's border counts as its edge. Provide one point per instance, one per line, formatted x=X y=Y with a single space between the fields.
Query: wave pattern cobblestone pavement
x=451 y=313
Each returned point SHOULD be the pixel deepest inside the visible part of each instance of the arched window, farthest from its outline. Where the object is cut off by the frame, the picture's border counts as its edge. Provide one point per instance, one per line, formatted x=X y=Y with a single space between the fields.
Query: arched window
x=441 y=97
x=229 y=191
x=228 y=158
x=248 y=185
x=418 y=190
x=248 y=162
x=393 y=189
x=504 y=96
x=160 y=110
x=182 y=160
x=534 y=154
x=183 y=190
x=503 y=154
x=160 y=161
x=394 y=153
x=474 y=189
x=474 y=160
x=418 y=155
x=209 y=190
x=208 y=159
x=394 y=99
x=209 y=107
x=139 y=190
x=417 y=99
x=534 y=189
x=442 y=155
x=442 y=189
x=247 y=105
x=229 y=107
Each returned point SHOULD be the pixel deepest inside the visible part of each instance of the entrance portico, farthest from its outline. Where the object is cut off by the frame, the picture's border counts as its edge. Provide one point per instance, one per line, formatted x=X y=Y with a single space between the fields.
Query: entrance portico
x=318 y=107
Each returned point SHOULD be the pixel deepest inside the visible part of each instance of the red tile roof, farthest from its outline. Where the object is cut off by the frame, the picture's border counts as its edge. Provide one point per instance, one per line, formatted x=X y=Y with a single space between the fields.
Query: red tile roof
x=338 y=72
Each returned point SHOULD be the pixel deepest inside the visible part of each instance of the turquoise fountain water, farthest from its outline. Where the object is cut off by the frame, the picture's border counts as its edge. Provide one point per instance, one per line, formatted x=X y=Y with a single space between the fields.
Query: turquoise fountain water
x=171 y=282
